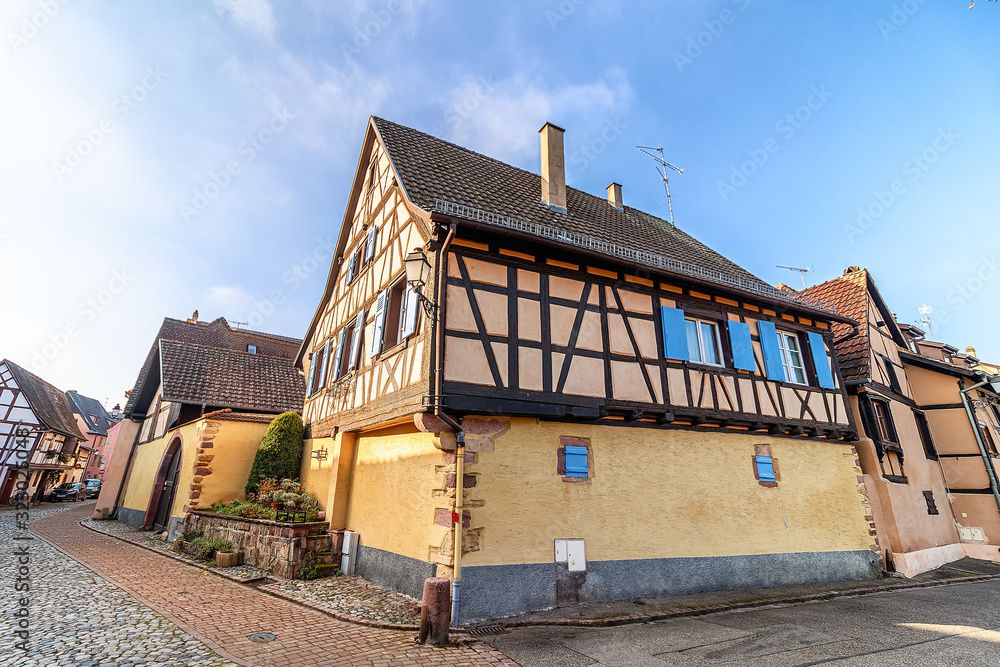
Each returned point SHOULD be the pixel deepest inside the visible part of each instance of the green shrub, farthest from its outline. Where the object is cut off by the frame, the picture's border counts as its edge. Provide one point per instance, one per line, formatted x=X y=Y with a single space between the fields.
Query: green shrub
x=205 y=549
x=280 y=451
x=244 y=509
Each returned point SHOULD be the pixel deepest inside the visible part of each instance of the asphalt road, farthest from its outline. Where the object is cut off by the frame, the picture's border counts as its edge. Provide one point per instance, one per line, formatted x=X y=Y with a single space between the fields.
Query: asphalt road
x=946 y=625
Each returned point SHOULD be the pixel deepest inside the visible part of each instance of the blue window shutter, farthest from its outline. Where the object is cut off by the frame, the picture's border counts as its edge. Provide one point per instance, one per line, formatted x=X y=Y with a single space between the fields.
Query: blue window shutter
x=381 y=306
x=824 y=374
x=359 y=328
x=370 y=244
x=765 y=469
x=411 y=307
x=576 y=461
x=739 y=339
x=326 y=361
x=338 y=355
x=350 y=266
x=312 y=372
x=674 y=334
x=772 y=353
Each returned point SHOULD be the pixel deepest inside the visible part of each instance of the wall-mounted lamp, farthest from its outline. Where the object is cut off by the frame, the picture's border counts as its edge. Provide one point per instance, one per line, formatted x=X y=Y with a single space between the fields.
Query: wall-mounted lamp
x=418 y=271
x=319 y=454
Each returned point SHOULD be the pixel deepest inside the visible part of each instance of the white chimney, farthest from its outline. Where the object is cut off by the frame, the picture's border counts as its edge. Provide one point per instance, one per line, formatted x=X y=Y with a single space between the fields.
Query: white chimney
x=615 y=196
x=553 y=167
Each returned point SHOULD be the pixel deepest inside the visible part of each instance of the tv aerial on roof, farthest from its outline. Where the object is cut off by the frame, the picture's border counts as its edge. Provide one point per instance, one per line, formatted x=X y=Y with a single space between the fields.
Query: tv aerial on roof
x=657 y=154
x=802 y=272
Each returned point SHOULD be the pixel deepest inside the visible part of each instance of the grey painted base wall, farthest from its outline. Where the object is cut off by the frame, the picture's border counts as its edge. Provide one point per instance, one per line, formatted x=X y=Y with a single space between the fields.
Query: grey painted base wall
x=393 y=571
x=134 y=518
x=506 y=590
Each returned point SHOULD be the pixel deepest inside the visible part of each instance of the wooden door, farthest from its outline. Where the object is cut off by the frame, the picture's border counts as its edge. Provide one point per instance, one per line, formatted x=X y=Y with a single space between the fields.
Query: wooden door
x=168 y=491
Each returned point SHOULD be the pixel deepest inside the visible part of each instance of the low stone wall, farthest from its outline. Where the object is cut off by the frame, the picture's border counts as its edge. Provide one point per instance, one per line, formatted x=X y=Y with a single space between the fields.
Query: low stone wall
x=278 y=548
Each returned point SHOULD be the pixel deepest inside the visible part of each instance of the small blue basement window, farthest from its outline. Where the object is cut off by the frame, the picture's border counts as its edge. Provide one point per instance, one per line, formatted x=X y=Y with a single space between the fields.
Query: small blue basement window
x=765 y=469
x=576 y=461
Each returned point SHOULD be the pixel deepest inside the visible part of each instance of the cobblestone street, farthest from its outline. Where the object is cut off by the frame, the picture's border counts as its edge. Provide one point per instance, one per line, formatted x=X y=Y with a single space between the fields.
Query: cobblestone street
x=143 y=608
x=78 y=618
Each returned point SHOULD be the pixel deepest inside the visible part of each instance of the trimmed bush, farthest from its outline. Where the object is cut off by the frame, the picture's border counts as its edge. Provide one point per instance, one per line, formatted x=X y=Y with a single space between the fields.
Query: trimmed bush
x=280 y=452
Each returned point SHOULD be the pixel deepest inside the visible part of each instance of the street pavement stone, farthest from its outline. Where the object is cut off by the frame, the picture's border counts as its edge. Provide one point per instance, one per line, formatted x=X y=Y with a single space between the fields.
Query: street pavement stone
x=192 y=605
x=77 y=618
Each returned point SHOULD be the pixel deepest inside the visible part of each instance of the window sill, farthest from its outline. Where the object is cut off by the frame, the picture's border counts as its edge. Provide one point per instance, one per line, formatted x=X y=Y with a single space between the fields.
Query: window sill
x=770 y=485
x=577 y=480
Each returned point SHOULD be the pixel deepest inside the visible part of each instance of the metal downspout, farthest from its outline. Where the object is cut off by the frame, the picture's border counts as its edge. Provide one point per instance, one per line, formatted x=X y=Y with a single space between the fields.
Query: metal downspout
x=979 y=438
x=456 y=426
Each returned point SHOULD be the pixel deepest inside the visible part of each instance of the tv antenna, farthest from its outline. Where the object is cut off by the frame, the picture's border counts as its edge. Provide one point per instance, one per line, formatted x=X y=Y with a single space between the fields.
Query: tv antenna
x=926 y=311
x=657 y=154
x=802 y=272
x=239 y=325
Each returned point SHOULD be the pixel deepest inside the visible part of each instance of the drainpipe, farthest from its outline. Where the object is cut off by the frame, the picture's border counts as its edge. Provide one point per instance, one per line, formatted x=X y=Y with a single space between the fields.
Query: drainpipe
x=979 y=438
x=440 y=290
x=458 y=520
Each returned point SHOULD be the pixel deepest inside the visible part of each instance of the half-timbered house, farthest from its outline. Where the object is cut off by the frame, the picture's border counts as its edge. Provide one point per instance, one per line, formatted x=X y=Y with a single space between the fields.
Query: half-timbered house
x=626 y=411
x=902 y=470
x=41 y=442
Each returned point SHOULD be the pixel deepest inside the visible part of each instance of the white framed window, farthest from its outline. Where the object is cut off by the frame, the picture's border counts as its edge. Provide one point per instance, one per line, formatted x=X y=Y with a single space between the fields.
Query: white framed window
x=791 y=357
x=704 y=344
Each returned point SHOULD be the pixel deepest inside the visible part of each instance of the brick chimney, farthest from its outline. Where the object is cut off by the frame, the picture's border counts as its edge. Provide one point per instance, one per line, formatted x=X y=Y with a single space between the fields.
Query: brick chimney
x=194 y=318
x=615 y=196
x=971 y=351
x=553 y=167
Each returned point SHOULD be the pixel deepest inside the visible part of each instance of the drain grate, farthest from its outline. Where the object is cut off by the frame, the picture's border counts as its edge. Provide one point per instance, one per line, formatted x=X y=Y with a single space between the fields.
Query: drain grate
x=486 y=630
x=262 y=637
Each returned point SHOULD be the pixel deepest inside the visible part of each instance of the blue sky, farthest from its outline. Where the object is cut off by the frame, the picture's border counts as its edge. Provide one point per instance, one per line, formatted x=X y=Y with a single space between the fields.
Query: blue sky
x=158 y=157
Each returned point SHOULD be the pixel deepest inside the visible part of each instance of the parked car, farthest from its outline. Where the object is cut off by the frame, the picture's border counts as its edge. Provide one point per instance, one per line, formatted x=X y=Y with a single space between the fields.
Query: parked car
x=68 y=491
x=93 y=487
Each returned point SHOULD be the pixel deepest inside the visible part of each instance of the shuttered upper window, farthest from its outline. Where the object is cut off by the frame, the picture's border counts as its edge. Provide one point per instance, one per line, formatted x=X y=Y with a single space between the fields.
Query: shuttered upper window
x=791 y=357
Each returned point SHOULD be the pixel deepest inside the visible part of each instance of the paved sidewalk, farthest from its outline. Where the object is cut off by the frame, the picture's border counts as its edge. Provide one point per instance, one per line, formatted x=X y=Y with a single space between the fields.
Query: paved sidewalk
x=223 y=614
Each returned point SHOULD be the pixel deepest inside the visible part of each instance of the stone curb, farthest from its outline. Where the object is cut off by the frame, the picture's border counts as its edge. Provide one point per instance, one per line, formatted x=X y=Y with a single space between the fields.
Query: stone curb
x=571 y=622
x=681 y=613
x=349 y=618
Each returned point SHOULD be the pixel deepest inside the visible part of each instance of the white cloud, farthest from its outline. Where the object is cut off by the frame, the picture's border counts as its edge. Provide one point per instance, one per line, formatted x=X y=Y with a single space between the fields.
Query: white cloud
x=254 y=15
x=502 y=118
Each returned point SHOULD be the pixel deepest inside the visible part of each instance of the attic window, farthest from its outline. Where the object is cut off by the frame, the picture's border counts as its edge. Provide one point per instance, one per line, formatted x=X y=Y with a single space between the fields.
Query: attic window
x=252 y=349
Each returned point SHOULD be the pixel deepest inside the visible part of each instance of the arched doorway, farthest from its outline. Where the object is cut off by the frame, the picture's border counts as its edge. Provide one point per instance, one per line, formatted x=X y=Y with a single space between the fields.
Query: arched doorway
x=161 y=500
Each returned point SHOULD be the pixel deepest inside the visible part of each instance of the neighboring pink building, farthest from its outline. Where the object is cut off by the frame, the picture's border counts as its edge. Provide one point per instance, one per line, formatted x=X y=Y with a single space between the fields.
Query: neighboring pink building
x=95 y=422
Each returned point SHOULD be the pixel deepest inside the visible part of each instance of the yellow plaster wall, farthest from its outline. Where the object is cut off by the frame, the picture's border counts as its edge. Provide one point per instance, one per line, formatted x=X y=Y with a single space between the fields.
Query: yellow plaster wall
x=391 y=503
x=148 y=457
x=315 y=473
x=234 y=448
x=662 y=493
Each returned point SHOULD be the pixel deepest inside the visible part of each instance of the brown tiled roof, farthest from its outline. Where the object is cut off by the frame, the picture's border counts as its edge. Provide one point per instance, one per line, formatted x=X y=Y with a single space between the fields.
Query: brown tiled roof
x=433 y=168
x=217 y=334
x=849 y=293
x=48 y=403
x=217 y=377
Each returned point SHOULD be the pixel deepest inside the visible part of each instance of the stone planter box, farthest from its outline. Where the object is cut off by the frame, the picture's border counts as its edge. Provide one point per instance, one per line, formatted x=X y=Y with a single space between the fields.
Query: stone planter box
x=274 y=547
